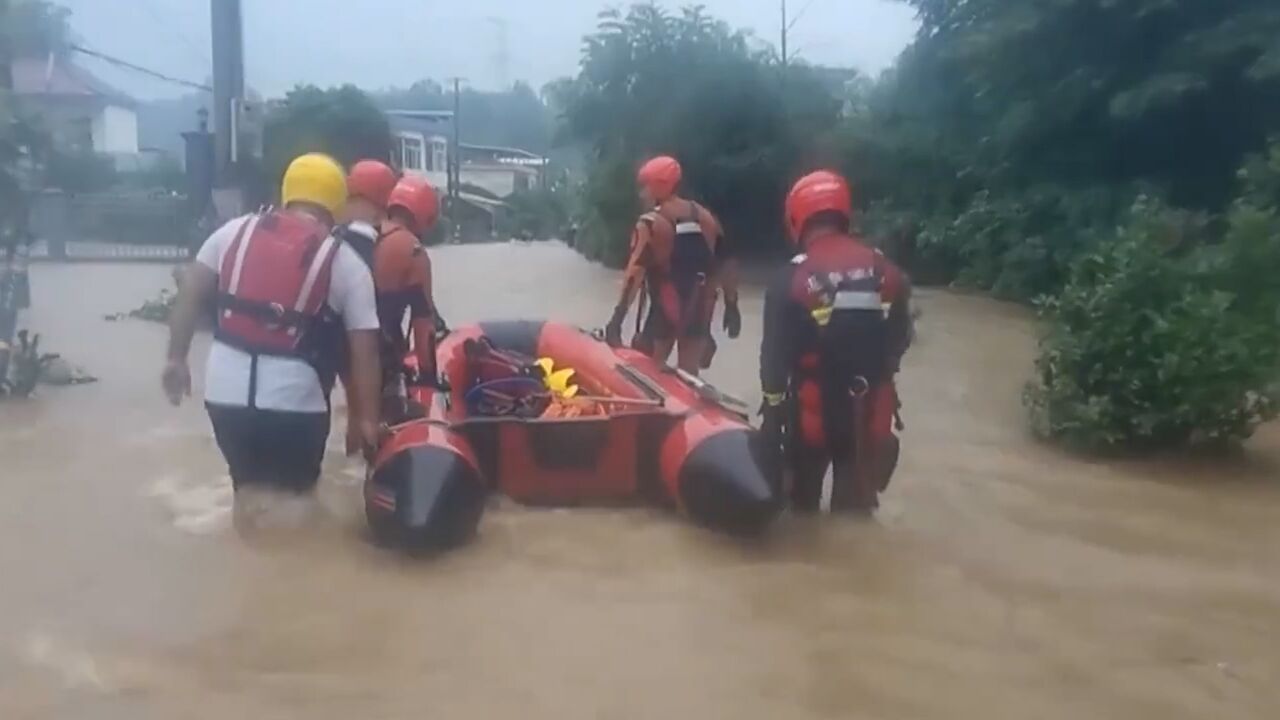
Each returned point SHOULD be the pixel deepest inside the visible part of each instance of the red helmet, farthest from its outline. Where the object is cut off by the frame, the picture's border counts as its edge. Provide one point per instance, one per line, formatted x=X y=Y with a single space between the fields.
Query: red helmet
x=416 y=195
x=822 y=191
x=371 y=180
x=660 y=176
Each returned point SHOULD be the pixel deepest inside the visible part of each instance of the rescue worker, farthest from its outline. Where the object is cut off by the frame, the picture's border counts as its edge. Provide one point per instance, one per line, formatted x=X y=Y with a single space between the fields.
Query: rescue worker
x=369 y=186
x=402 y=276
x=836 y=325
x=678 y=252
x=288 y=295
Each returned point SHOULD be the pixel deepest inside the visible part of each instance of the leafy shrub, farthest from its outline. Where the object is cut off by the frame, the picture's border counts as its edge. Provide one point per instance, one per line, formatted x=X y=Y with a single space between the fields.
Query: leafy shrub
x=1020 y=245
x=1151 y=344
x=537 y=213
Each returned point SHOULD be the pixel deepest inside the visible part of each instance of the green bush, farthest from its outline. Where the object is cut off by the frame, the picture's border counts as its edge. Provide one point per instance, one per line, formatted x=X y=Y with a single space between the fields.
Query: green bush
x=1153 y=343
x=1018 y=246
x=537 y=213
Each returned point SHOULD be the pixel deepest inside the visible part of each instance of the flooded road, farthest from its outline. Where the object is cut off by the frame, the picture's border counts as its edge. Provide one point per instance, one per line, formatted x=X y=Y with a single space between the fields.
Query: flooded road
x=1001 y=580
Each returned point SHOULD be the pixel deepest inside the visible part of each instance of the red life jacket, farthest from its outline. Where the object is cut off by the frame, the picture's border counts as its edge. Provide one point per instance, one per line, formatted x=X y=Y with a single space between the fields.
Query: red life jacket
x=274 y=285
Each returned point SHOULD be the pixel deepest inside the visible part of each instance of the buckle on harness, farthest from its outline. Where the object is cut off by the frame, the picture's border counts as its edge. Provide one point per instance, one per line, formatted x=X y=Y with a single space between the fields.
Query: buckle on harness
x=859 y=387
x=275 y=315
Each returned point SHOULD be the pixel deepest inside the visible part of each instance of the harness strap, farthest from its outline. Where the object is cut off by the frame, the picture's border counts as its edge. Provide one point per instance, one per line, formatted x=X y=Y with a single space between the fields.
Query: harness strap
x=273 y=313
x=318 y=263
x=241 y=243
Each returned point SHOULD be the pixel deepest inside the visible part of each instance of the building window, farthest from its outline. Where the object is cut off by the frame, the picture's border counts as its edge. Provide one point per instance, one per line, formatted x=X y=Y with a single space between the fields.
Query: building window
x=439 y=152
x=81 y=135
x=412 y=156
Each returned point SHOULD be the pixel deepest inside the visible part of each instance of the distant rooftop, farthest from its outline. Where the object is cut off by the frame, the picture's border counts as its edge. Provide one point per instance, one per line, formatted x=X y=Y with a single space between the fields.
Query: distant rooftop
x=498 y=150
x=59 y=77
x=422 y=114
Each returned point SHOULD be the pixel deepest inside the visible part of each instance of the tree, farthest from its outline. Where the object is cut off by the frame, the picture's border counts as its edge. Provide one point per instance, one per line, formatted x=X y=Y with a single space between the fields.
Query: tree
x=342 y=122
x=26 y=26
x=36 y=28
x=686 y=84
x=1087 y=91
x=1044 y=119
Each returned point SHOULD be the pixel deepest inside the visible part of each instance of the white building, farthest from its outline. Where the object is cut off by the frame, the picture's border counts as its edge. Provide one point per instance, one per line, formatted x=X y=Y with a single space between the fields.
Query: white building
x=80 y=112
x=422 y=142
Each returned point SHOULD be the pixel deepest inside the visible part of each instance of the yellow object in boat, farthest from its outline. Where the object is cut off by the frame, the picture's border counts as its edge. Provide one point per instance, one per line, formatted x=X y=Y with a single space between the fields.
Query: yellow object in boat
x=558 y=381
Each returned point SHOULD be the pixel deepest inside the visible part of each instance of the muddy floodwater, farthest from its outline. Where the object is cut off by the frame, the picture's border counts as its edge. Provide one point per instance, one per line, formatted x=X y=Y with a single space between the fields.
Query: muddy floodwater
x=1002 y=579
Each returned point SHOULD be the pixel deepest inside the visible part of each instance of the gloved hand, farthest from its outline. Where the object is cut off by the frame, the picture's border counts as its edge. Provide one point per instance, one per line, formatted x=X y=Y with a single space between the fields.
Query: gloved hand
x=732 y=319
x=613 y=331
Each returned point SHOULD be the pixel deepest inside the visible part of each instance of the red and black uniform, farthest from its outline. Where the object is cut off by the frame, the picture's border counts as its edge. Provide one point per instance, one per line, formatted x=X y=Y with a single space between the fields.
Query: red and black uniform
x=836 y=323
x=677 y=255
x=402 y=278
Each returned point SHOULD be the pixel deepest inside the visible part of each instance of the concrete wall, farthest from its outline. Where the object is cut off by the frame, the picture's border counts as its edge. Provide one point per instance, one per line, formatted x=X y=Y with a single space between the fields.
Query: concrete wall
x=115 y=131
x=501 y=180
x=129 y=218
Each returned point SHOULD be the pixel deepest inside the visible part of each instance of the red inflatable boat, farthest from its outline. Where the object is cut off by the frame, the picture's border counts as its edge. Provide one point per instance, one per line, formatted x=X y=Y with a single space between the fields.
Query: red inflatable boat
x=649 y=434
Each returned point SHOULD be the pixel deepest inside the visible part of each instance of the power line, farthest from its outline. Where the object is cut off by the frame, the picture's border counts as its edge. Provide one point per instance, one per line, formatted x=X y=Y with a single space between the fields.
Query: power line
x=788 y=23
x=139 y=69
x=182 y=37
x=800 y=15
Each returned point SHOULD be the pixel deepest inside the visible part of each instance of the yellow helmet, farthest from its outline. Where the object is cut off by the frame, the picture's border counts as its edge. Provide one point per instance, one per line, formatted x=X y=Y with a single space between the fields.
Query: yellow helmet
x=317 y=179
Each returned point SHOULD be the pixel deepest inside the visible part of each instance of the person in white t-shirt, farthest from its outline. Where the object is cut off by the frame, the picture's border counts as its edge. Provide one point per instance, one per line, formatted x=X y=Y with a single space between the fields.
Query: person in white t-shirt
x=289 y=296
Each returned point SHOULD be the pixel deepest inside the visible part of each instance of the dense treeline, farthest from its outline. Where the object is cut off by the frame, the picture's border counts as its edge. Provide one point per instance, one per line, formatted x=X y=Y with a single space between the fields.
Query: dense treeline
x=655 y=82
x=1107 y=158
x=1008 y=129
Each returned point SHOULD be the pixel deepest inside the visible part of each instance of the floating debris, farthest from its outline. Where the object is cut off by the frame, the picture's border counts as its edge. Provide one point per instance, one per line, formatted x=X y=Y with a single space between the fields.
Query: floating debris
x=157 y=309
x=28 y=368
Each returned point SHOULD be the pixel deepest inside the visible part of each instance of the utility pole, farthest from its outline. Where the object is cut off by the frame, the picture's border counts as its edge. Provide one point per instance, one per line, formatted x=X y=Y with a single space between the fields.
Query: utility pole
x=455 y=152
x=6 y=70
x=786 y=28
x=8 y=281
x=228 y=84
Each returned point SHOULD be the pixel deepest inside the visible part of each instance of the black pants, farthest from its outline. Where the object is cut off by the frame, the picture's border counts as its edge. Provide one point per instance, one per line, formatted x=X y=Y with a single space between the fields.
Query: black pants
x=282 y=450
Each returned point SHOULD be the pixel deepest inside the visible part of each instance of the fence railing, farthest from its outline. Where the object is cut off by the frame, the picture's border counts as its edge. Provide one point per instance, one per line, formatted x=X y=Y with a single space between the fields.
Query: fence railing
x=117 y=226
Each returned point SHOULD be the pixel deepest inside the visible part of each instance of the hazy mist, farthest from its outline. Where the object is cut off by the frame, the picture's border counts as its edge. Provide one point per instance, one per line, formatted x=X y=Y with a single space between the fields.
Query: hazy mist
x=380 y=43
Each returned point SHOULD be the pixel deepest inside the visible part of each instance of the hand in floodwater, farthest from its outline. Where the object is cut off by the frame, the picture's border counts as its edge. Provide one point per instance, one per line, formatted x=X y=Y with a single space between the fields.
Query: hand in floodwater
x=176 y=381
x=363 y=438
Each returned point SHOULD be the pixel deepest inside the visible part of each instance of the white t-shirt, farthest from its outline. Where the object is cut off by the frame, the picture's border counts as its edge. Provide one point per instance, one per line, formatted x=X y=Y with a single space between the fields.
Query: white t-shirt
x=285 y=384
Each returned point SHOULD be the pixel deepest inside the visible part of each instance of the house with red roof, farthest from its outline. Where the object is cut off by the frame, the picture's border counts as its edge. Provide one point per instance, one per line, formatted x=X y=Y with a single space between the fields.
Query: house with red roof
x=80 y=112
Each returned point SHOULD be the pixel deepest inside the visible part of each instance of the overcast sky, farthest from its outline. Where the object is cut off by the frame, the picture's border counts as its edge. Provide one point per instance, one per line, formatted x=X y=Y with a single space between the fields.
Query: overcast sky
x=379 y=43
